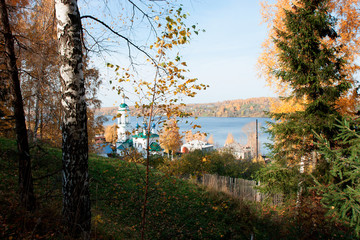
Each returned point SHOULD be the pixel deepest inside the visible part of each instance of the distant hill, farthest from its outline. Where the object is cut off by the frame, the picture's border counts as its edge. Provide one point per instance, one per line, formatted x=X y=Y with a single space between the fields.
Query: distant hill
x=251 y=107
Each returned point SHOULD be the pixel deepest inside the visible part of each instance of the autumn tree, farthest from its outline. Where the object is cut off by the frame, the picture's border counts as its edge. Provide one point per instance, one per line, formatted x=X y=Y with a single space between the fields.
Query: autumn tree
x=111 y=133
x=163 y=95
x=229 y=139
x=170 y=138
x=40 y=79
x=76 y=195
x=27 y=196
x=190 y=136
x=211 y=139
x=347 y=27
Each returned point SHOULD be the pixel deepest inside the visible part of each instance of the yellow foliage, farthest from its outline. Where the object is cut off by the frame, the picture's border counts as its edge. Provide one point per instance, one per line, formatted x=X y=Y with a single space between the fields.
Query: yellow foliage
x=289 y=106
x=211 y=139
x=229 y=139
x=189 y=136
x=170 y=138
x=347 y=13
x=258 y=160
x=111 y=133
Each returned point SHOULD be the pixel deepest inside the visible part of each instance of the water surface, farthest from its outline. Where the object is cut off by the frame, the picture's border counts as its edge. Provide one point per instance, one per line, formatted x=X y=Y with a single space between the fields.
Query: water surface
x=220 y=128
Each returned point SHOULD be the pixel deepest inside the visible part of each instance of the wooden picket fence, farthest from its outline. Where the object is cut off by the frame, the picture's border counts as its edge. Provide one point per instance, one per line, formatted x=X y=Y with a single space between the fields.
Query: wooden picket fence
x=237 y=187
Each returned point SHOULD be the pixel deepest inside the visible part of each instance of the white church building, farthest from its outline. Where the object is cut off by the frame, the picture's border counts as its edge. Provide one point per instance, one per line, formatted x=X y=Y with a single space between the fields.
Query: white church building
x=196 y=145
x=134 y=138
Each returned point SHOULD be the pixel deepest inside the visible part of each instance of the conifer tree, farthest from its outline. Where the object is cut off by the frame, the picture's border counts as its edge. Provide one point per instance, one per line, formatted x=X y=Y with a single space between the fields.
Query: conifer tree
x=313 y=71
x=341 y=195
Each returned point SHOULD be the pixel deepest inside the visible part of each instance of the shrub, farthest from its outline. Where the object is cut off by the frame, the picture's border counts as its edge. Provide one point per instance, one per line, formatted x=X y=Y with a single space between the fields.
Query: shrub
x=197 y=163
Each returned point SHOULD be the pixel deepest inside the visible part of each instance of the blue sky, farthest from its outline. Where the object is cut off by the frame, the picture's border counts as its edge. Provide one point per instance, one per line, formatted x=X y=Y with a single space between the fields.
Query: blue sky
x=224 y=56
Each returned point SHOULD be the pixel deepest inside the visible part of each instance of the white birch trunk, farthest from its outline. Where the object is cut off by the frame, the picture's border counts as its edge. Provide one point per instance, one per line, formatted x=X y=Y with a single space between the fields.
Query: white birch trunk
x=76 y=196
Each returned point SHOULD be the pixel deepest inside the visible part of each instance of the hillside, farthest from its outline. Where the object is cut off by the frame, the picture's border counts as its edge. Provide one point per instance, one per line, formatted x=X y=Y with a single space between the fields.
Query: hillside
x=251 y=107
x=177 y=209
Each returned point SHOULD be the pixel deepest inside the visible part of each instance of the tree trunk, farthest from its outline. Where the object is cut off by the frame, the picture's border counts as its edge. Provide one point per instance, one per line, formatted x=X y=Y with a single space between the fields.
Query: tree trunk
x=41 y=122
x=38 y=97
x=76 y=196
x=37 y=106
x=26 y=191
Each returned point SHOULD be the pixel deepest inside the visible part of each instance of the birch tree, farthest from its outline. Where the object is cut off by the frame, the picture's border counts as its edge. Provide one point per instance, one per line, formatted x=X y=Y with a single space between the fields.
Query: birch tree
x=76 y=196
x=163 y=95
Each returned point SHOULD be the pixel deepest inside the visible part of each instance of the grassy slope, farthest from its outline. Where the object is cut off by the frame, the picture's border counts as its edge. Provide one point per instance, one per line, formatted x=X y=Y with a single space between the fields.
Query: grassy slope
x=176 y=209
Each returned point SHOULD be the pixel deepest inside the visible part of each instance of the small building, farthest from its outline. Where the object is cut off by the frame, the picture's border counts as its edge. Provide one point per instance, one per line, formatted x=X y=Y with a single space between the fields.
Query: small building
x=196 y=145
x=99 y=138
x=105 y=149
x=238 y=150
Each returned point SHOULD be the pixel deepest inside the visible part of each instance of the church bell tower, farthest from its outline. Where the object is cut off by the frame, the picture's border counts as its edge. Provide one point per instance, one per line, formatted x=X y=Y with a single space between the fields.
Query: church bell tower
x=124 y=128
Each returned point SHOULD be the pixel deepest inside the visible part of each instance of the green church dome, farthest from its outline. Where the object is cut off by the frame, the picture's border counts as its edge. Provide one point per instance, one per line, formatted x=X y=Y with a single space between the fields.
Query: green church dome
x=123 y=105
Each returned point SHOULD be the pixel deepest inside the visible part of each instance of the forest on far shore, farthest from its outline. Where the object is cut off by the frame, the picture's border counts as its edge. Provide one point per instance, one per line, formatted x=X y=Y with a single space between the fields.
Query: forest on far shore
x=251 y=107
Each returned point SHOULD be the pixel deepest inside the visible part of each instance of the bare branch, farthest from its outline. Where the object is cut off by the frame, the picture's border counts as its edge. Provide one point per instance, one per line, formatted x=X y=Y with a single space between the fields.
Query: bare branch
x=145 y=15
x=121 y=36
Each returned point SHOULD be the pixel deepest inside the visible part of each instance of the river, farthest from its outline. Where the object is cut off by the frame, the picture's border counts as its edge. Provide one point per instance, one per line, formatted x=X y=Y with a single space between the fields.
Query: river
x=220 y=128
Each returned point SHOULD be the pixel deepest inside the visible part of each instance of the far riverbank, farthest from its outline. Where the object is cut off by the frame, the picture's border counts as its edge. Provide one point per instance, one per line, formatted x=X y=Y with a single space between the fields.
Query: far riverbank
x=219 y=127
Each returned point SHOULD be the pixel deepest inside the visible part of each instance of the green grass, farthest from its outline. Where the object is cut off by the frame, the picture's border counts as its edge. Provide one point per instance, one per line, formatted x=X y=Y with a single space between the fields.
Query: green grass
x=176 y=209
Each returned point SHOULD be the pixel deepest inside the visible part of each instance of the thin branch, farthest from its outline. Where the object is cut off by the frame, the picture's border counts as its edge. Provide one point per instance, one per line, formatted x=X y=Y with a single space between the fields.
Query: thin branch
x=28 y=73
x=48 y=175
x=132 y=17
x=83 y=40
x=145 y=15
x=121 y=36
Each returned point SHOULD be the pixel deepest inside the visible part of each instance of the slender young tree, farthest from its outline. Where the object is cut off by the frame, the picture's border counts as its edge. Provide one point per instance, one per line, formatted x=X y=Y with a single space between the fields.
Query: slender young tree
x=27 y=196
x=76 y=196
x=162 y=95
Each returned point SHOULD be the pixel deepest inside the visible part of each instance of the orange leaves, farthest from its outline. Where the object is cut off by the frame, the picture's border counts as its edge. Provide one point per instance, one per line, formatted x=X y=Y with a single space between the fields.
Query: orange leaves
x=189 y=136
x=170 y=138
x=183 y=33
x=347 y=14
x=289 y=106
x=111 y=133
x=229 y=139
